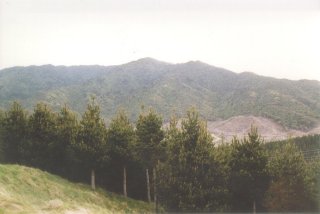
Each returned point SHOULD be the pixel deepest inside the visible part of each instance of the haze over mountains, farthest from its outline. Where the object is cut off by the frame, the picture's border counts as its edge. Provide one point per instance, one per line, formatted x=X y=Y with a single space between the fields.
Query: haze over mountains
x=217 y=93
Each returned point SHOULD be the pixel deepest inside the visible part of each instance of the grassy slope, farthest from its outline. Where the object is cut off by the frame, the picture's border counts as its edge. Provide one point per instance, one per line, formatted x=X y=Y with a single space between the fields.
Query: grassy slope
x=28 y=190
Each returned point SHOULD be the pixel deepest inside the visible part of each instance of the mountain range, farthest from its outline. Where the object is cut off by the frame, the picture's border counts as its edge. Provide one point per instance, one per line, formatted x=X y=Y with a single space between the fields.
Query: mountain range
x=217 y=93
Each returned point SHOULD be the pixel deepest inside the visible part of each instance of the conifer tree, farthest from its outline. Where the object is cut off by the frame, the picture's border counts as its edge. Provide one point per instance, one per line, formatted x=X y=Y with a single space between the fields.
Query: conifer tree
x=292 y=188
x=120 y=139
x=1 y=117
x=150 y=134
x=42 y=138
x=91 y=144
x=14 y=128
x=67 y=128
x=248 y=173
x=190 y=176
x=169 y=195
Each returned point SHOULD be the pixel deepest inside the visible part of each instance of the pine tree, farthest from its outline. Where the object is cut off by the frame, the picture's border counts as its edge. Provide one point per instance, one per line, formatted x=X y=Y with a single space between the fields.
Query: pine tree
x=169 y=169
x=91 y=144
x=1 y=117
x=42 y=138
x=120 y=139
x=14 y=125
x=292 y=188
x=248 y=173
x=190 y=176
x=67 y=128
x=150 y=134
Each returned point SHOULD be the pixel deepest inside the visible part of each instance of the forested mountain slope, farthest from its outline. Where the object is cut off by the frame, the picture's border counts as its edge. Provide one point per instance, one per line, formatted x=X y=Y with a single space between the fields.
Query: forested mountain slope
x=169 y=88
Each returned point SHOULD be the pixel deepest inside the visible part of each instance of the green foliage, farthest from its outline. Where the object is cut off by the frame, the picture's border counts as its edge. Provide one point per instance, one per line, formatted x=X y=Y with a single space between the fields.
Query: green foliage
x=1 y=135
x=42 y=151
x=309 y=145
x=120 y=139
x=121 y=143
x=43 y=123
x=91 y=146
x=149 y=134
x=67 y=125
x=248 y=172
x=193 y=174
x=67 y=132
x=190 y=178
x=216 y=92
x=293 y=182
x=1 y=116
x=14 y=128
x=1 y=124
x=314 y=182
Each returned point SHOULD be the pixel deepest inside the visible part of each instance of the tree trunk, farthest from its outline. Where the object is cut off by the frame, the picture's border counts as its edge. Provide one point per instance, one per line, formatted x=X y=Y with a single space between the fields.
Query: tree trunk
x=124 y=181
x=155 y=189
x=148 y=186
x=254 y=207
x=93 y=180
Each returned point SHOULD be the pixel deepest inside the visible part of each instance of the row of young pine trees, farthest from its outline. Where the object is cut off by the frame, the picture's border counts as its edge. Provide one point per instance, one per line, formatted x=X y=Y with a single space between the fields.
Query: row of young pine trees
x=178 y=164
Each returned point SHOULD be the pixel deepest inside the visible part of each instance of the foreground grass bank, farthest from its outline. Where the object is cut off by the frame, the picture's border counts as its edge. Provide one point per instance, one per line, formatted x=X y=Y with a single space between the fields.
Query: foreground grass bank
x=28 y=190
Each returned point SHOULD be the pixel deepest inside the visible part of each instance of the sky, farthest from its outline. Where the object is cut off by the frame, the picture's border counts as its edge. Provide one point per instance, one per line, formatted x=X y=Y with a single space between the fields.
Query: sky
x=278 y=38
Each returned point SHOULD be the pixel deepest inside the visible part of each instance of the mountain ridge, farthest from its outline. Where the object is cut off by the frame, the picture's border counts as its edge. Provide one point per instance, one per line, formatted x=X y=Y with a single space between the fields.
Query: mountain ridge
x=151 y=60
x=216 y=92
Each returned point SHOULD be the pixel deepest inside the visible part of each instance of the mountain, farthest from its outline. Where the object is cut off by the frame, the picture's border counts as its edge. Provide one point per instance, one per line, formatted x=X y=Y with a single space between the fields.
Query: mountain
x=169 y=88
x=29 y=190
x=240 y=126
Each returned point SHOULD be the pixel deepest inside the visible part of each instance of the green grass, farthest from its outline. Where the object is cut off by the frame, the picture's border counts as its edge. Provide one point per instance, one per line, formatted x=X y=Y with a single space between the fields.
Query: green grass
x=28 y=190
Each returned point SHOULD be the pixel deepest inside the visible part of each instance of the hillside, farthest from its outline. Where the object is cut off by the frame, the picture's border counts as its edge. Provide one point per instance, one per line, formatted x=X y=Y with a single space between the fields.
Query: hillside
x=28 y=190
x=240 y=125
x=217 y=93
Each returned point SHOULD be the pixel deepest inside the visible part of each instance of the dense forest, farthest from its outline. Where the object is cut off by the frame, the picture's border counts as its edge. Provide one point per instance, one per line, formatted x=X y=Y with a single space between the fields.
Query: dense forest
x=178 y=167
x=216 y=92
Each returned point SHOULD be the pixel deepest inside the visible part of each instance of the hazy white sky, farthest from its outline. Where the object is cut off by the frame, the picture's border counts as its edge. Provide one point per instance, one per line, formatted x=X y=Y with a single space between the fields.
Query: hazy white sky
x=279 y=38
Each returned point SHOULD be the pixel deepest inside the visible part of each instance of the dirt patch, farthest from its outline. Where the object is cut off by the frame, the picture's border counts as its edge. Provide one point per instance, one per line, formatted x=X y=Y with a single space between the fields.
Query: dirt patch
x=240 y=125
x=78 y=211
x=315 y=130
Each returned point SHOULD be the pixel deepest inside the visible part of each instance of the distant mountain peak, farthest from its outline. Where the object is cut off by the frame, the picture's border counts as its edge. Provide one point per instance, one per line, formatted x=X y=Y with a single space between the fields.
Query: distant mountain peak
x=248 y=73
x=148 y=60
x=197 y=63
x=152 y=61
